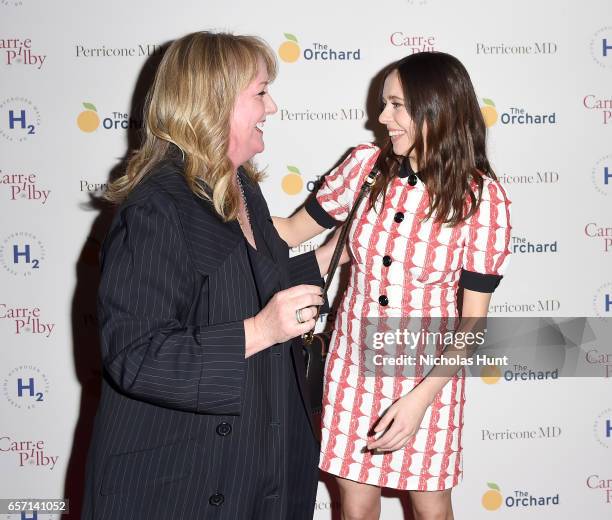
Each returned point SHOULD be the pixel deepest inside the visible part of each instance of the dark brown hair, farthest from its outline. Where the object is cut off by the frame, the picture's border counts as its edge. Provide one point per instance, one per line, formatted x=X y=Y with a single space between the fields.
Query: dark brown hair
x=451 y=154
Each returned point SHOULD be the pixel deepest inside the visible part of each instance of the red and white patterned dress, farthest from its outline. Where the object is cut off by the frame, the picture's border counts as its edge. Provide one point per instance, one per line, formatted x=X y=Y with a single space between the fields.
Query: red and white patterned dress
x=402 y=266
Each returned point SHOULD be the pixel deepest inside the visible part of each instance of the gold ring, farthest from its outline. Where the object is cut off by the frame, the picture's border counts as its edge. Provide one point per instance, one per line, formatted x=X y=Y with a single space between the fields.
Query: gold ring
x=298 y=316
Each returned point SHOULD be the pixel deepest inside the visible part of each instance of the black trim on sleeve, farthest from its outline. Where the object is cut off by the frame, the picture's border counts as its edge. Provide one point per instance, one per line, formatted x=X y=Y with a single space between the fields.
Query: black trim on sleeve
x=320 y=216
x=484 y=283
x=305 y=269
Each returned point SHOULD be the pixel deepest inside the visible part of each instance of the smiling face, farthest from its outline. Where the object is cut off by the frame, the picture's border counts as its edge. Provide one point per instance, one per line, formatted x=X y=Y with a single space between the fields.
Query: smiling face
x=395 y=116
x=252 y=106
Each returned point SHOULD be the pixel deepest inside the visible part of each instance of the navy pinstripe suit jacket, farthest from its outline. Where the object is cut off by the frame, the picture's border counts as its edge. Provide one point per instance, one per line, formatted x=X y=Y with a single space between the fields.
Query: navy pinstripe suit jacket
x=187 y=427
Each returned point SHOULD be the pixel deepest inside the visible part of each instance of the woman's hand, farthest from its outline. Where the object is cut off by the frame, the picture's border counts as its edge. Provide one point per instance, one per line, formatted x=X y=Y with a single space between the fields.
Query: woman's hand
x=401 y=422
x=277 y=321
x=325 y=252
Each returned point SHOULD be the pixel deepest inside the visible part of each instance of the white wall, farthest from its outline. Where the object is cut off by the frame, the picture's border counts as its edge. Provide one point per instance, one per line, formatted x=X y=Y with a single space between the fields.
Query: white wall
x=49 y=170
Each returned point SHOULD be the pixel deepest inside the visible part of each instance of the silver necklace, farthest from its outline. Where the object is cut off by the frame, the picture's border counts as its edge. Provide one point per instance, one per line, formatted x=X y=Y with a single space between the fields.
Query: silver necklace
x=248 y=216
x=246 y=208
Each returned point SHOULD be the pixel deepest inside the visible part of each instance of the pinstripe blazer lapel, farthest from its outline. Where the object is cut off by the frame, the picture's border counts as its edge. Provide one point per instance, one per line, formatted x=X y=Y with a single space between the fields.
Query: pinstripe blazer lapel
x=272 y=246
x=209 y=239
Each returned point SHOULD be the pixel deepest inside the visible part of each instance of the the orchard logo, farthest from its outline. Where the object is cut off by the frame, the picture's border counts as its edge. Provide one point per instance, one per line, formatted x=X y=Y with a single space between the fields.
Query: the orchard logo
x=514 y=115
x=522 y=245
x=489 y=112
x=490 y=374
x=290 y=51
x=292 y=182
x=89 y=120
x=492 y=499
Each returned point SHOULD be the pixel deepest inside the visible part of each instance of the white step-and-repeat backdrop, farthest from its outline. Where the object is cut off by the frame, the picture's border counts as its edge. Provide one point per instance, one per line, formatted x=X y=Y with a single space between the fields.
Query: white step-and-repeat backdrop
x=73 y=76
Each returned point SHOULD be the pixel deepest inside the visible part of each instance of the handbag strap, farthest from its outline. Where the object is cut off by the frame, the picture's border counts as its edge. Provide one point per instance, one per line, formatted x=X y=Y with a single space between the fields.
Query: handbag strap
x=333 y=265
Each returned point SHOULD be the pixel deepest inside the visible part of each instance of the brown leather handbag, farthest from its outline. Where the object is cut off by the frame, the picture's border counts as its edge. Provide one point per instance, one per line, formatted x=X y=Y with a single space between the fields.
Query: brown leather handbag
x=316 y=345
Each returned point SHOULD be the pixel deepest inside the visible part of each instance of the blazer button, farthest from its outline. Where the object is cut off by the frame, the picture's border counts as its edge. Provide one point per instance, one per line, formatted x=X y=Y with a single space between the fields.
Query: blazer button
x=383 y=300
x=224 y=429
x=399 y=217
x=216 y=500
x=387 y=260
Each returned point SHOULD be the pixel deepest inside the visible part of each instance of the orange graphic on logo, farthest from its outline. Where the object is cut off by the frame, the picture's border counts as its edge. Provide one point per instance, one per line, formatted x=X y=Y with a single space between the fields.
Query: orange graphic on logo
x=490 y=374
x=292 y=183
x=289 y=50
x=88 y=120
x=489 y=113
x=492 y=499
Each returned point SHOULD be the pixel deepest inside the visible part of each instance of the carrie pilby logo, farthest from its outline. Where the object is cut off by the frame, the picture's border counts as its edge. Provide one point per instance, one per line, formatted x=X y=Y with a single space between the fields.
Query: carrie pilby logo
x=24 y=187
x=18 y=51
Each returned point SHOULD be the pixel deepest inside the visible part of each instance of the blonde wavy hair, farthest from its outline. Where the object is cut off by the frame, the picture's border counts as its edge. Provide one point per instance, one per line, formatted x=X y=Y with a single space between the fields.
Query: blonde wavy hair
x=189 y=105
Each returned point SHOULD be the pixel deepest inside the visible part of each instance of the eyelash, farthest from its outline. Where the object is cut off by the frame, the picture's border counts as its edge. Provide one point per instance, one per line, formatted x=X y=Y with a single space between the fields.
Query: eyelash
x=262 y=93
x=394 y=104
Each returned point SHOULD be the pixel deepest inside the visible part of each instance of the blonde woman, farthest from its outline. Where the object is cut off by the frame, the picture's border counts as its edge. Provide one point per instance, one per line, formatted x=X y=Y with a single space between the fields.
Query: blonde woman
x=201 y=413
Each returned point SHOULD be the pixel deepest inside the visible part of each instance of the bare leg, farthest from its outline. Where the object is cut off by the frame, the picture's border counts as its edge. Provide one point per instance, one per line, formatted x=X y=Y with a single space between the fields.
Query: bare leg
x=432 y=505
x=359 y=501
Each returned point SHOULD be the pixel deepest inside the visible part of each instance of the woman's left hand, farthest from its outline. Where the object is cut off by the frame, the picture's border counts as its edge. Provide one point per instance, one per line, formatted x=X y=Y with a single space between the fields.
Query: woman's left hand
x=402 y=421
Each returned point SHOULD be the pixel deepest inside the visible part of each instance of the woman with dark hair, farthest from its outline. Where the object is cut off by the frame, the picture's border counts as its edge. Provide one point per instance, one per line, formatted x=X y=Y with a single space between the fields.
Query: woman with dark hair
x=202 y=413
x=437 y=220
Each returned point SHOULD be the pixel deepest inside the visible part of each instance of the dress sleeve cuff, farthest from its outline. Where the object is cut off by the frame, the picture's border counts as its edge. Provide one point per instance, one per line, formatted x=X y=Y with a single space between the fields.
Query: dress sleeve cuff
x=320 y=216
x=484 y=283
x=304 y=269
